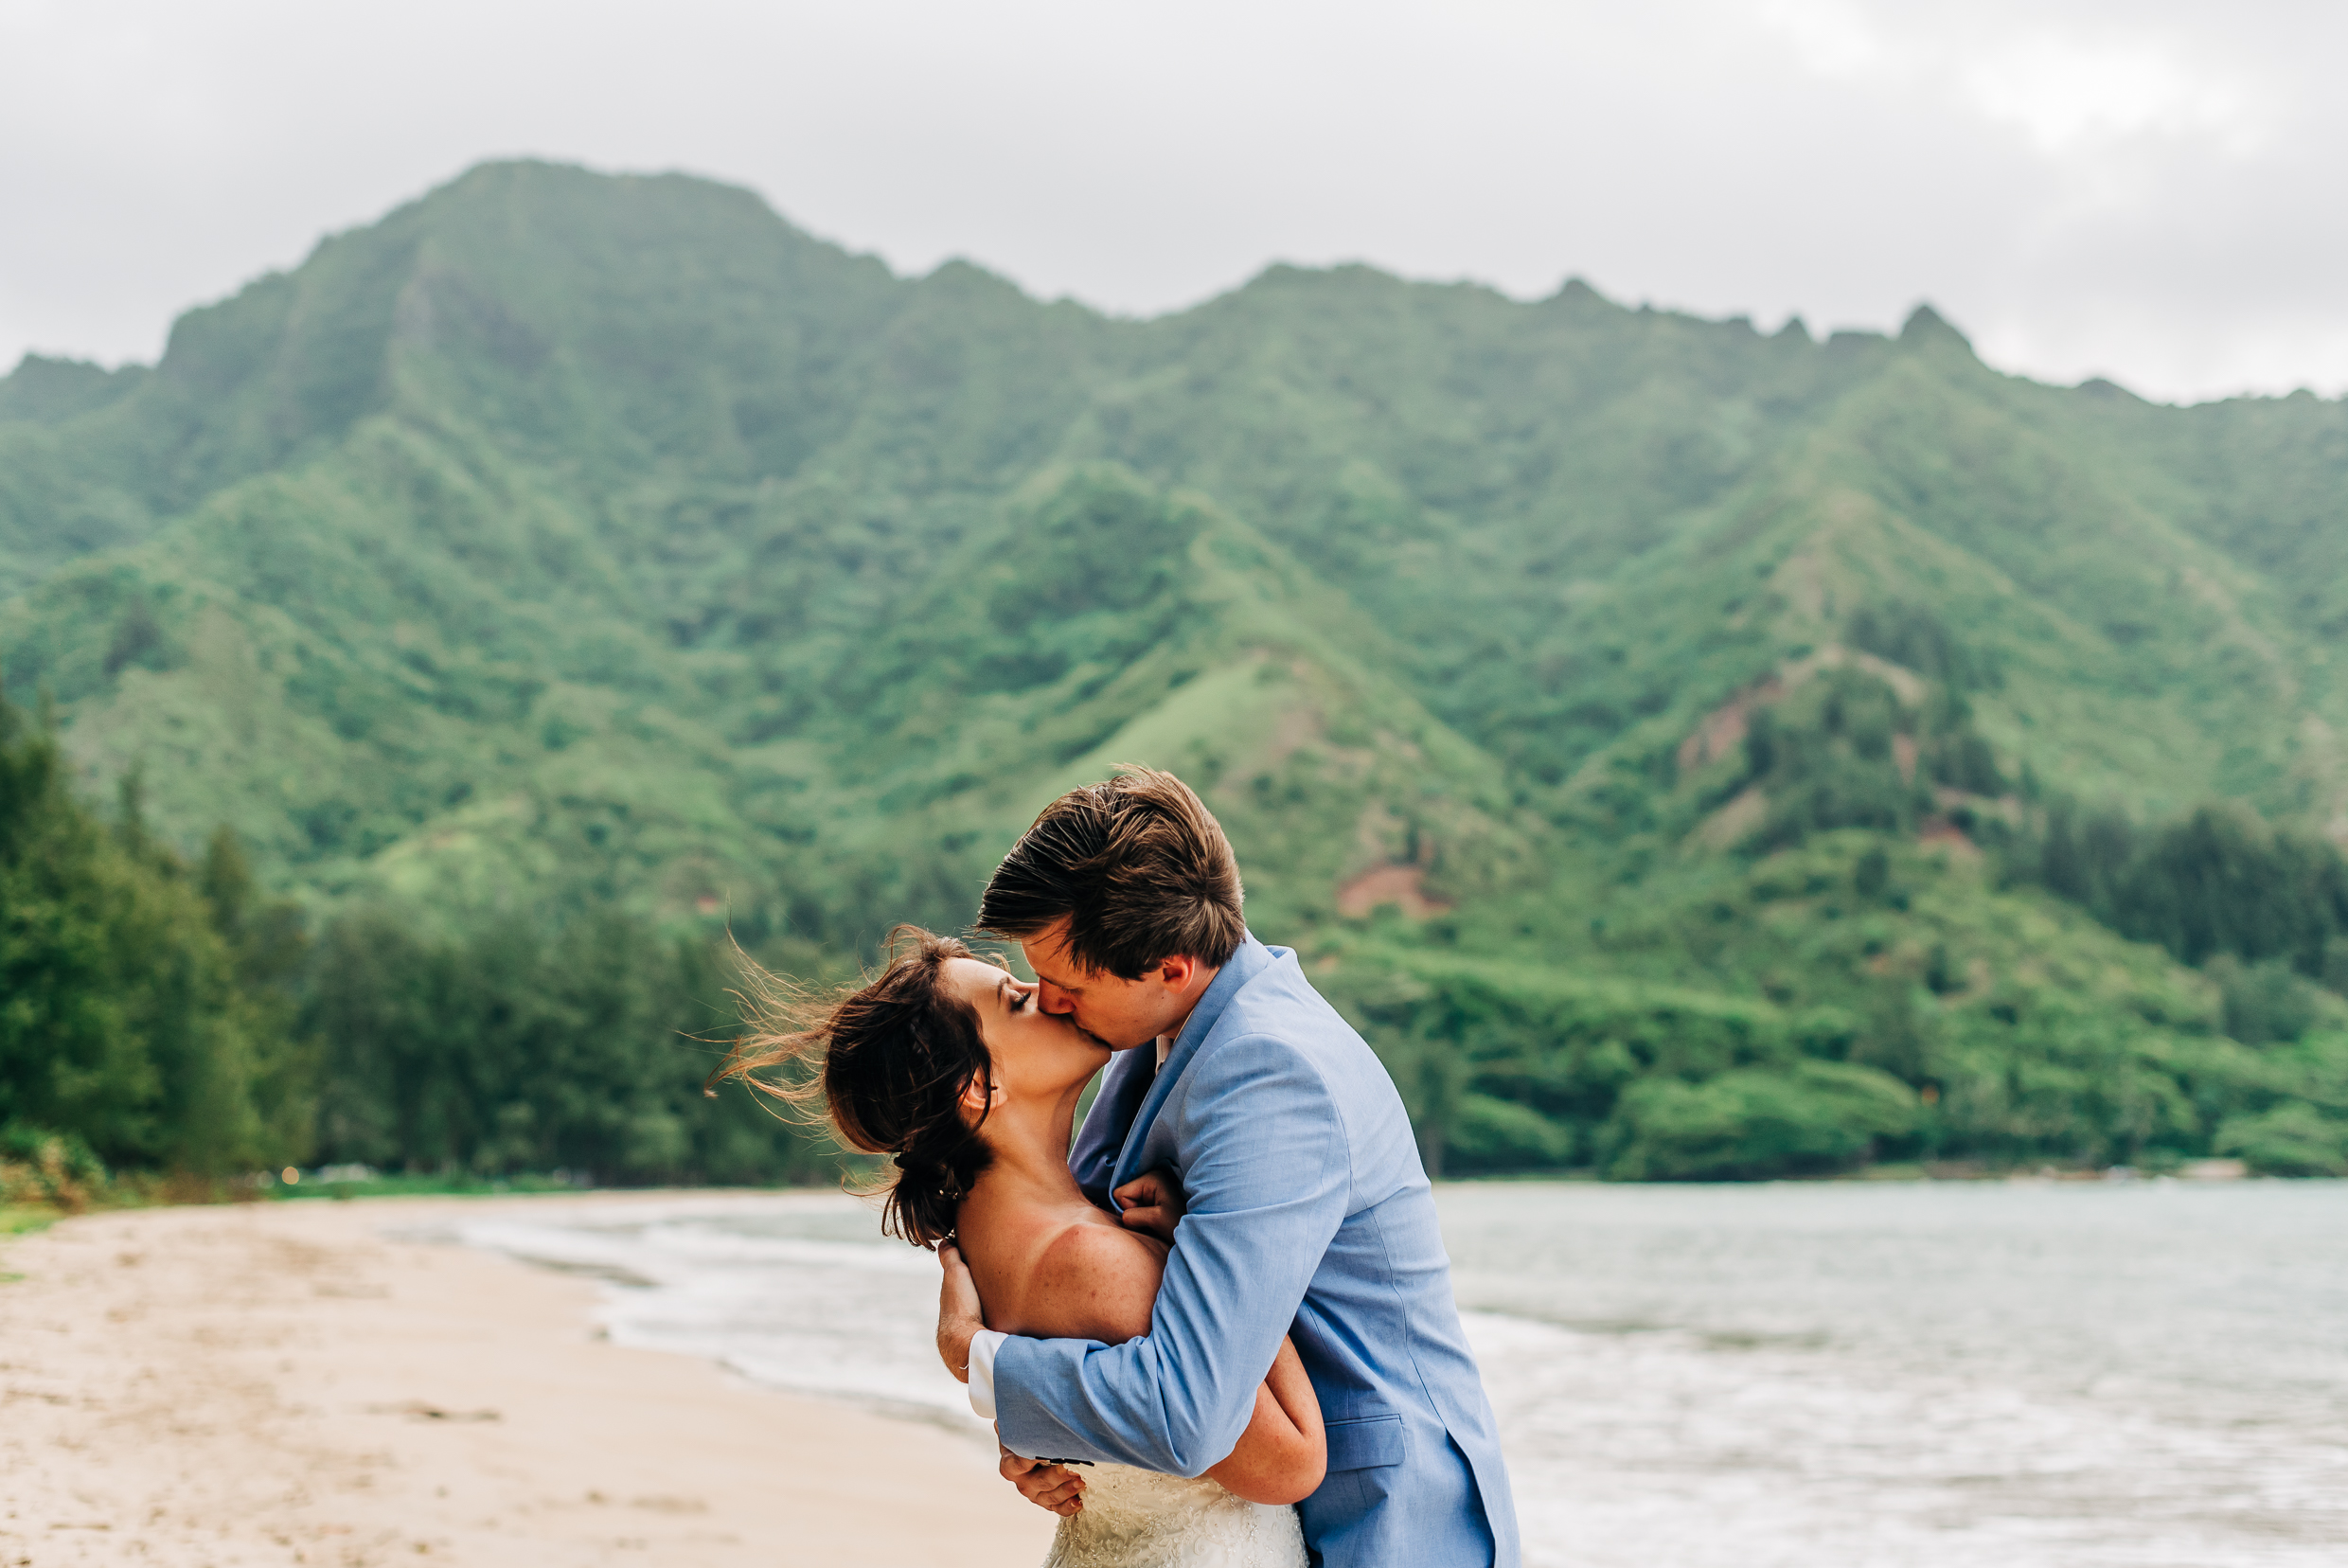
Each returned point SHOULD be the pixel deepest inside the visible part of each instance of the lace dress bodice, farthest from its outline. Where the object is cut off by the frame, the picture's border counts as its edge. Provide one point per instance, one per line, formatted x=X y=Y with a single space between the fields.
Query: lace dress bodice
x=1138 y=1518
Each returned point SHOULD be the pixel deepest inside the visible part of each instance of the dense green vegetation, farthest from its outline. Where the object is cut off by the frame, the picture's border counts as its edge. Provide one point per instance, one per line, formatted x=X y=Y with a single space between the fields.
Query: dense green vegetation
x=160 y=1015
x=1687 y=753
x=1841 y=999
x=136 y=1012
x=580 y=1050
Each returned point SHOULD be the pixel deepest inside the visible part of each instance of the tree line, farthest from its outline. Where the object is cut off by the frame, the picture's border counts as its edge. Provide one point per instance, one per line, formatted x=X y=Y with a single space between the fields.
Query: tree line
x=2217 y=884
x=159 y=1012
x=164 y=1012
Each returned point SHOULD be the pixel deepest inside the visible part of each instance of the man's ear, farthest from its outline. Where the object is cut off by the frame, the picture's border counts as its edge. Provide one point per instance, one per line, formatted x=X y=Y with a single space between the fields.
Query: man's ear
x=1177 y=972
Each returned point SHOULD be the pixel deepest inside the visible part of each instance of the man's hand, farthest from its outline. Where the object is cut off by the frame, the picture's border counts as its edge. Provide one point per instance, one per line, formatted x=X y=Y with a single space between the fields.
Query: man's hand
x=1153 y=1205
x=1052 y=1487
x=958 y=1315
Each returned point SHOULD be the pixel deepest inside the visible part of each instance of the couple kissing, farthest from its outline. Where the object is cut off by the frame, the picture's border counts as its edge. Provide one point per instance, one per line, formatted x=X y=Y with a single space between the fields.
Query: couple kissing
x=1217 y=1328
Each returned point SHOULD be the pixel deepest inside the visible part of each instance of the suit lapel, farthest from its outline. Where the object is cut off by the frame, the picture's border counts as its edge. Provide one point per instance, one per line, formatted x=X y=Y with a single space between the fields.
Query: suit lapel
x=1093 y=1157
x=1246 y=964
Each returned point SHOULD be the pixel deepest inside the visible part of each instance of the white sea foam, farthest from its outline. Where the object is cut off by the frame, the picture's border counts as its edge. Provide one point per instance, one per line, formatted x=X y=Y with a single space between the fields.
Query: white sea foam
x=1806 y=1375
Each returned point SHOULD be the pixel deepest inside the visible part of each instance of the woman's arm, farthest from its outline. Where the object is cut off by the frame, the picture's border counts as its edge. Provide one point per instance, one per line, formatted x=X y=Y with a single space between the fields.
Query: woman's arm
x=1263 y=1214
x=1097 y=1283
x=1283 y=1455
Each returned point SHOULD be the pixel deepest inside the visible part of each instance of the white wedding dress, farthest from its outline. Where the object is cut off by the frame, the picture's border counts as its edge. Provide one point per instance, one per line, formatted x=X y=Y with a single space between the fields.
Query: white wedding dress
x=1139 y=1518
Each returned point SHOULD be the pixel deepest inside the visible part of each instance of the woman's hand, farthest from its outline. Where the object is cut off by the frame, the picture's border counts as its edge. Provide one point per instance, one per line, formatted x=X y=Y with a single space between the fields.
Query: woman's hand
x=1153 y=1205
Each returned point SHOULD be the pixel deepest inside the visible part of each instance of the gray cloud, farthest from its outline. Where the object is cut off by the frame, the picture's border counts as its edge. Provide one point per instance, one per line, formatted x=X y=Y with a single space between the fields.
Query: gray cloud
x=2139 y=191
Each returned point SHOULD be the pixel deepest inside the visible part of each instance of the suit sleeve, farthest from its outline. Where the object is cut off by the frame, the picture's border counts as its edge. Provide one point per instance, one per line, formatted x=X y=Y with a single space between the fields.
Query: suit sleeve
x=1267 y=1184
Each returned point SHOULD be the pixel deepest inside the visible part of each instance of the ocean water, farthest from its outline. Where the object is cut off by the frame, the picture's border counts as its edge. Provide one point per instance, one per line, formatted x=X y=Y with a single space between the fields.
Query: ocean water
x=1981 y=1375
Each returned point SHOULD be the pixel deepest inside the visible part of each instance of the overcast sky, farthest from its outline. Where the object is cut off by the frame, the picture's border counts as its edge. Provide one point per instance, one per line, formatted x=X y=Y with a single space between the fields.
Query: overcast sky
x=2150 y=191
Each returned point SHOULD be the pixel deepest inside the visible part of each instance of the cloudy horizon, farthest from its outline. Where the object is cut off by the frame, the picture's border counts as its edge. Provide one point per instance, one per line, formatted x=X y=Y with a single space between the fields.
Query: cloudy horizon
x=2084 y=188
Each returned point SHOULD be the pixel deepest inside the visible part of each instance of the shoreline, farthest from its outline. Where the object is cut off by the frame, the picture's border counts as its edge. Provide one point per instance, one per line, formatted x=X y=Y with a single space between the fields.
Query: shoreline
x=282 y=1384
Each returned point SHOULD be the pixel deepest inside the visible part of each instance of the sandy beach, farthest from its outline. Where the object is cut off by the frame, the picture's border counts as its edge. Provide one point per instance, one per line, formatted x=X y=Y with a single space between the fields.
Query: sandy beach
x=284 y=1384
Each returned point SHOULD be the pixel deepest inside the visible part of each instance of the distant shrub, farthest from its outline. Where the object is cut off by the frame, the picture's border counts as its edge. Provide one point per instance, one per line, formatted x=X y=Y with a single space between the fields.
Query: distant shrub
x=1755 y=1122
x=1489 y=1134
x=40 y=1167
x=2264 y=1003
x=1826 y=757
x=1914 y=635
x=2218 y=881
x=2290 y=1140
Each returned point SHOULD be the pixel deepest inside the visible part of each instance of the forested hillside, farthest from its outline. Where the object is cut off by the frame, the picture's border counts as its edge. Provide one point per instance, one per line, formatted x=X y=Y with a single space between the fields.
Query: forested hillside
x=1685 y=752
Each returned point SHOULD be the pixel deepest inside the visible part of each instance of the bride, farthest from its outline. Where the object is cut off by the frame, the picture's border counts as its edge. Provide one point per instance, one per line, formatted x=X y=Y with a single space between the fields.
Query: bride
x=945 y=1061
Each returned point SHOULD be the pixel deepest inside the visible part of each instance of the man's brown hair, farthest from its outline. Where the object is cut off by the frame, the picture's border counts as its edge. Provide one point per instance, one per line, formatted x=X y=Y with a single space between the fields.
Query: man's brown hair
x=1137 y=864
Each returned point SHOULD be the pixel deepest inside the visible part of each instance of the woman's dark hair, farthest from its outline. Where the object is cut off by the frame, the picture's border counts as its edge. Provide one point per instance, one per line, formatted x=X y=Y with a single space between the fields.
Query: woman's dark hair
x=888 y=1060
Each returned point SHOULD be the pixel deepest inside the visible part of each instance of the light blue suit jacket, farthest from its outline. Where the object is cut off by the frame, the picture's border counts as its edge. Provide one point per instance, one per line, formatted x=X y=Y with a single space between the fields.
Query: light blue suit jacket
x=1310 y=1214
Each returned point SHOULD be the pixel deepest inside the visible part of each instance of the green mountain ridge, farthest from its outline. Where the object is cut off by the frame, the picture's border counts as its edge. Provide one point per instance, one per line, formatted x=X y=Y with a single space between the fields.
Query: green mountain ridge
x=569 y=543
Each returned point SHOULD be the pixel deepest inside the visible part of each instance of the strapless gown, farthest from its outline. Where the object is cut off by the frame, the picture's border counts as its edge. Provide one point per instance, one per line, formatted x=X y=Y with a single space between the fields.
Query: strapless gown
x=1139 y=1518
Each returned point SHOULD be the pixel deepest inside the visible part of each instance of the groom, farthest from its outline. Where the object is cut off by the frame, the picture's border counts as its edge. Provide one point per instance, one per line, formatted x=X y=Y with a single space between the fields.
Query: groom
x=1302 y=1209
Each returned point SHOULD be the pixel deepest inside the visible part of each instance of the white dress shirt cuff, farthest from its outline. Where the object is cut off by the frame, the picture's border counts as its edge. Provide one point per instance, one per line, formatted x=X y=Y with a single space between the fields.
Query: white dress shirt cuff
x=982 y=1347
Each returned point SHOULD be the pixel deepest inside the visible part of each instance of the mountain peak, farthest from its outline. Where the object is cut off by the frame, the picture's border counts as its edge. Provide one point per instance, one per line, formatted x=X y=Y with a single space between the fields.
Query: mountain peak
x=46 y=390
x=1926 y=324
x=1576 y=290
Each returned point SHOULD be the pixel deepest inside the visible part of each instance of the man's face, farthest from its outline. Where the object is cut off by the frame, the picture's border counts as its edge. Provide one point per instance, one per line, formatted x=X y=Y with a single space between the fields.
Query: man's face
x=1120 y=1014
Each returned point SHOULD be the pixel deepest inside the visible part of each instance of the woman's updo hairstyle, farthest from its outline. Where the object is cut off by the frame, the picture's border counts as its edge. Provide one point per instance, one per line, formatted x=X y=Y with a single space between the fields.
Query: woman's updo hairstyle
x=888 y=1060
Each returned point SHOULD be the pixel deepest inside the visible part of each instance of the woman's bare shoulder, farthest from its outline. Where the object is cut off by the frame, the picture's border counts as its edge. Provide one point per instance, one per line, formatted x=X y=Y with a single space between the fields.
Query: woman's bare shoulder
x=1095 y=1280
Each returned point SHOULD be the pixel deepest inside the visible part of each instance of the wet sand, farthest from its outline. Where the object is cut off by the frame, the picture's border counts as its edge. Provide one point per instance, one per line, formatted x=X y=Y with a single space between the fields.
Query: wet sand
x=282 y=1384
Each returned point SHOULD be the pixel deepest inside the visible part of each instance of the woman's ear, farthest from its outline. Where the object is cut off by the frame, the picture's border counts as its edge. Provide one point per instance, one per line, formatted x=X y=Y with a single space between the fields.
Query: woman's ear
x=977 y=1094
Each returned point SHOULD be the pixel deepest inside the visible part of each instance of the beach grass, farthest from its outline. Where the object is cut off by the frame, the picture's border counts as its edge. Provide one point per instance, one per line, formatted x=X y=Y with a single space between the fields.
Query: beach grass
x=23 y=1220
x=424 y=1184
x=20 y=1219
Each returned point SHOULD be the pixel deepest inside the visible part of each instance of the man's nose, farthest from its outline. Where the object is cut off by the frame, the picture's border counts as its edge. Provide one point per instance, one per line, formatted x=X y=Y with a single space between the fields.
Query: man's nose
x=1054 y=999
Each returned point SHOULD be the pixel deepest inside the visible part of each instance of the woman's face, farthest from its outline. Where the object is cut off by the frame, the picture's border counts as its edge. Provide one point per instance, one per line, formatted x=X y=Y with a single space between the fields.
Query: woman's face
x=1036 y=1054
